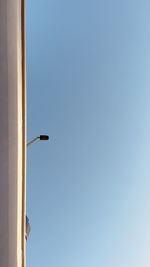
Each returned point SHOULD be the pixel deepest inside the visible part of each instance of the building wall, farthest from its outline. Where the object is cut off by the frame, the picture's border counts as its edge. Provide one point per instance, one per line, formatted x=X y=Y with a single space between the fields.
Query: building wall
x=12 y=135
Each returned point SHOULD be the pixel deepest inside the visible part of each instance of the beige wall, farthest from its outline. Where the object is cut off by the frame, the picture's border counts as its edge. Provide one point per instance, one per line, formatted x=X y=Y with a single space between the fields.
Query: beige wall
x=12 y=138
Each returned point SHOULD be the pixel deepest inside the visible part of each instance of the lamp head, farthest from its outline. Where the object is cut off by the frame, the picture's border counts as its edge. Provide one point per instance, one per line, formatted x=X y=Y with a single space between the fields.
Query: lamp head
x=44 y=137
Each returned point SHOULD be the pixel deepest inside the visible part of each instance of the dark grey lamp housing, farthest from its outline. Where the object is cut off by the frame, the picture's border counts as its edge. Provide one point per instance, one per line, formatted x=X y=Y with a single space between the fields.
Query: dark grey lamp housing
x=44 y=137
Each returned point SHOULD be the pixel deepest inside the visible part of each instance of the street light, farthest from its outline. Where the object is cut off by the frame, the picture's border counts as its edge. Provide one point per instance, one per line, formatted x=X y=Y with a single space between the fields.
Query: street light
x=41 y=137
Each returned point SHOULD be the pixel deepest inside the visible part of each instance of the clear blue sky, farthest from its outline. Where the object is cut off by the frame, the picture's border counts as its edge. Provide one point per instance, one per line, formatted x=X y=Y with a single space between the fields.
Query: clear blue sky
x=88 y=80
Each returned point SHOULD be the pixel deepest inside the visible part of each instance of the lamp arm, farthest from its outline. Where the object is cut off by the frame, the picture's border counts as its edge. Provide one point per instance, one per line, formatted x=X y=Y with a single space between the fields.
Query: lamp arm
x=32 y=141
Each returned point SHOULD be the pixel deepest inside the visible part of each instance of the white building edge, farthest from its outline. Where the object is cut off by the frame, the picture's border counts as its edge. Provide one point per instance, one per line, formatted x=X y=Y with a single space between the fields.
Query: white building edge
x=12 y=134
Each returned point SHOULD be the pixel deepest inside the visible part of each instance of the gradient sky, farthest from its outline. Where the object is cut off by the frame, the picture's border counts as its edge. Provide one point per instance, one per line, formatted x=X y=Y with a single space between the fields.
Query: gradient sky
x=88 y=81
